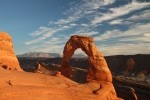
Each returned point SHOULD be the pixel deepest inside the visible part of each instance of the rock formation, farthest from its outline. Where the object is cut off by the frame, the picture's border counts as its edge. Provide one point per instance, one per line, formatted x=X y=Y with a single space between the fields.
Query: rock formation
x=98 y=71
x=126 y=92
x=8 y=59
x=42 y=69
x=35 y=86
x=130 y=65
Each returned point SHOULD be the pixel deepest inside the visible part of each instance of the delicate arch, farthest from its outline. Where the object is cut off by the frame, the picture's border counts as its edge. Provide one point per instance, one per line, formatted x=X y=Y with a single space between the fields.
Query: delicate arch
x=98 y=69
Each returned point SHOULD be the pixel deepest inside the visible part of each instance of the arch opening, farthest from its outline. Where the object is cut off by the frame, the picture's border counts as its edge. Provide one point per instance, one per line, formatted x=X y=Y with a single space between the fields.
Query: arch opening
x=79 y=65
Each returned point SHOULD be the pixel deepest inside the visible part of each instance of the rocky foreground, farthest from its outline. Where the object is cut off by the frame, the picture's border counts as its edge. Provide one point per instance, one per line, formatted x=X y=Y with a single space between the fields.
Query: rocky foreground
x=15 y=85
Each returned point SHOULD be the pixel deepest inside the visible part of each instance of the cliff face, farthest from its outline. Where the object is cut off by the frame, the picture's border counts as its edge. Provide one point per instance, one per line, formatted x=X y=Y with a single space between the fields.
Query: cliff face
x=8 y=58
x=129 y=63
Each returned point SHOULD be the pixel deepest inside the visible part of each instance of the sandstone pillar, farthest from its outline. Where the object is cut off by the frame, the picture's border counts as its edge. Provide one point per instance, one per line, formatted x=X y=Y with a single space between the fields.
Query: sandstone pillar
x=8 y=59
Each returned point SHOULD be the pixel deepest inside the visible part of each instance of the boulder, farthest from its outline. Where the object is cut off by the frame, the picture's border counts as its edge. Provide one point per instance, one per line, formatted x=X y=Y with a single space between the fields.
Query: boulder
x=8 y=59
x=42 y=69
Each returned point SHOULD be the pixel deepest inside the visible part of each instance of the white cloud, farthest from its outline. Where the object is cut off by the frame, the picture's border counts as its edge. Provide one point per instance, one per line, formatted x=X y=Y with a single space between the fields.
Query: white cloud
x=118 y=21
x=84 y=25
x=144 y=15
x=107 y=35
x=66 y=27
x=67 y=20
x=118 y=11
x=77 y=11
x=55 y=41
x=73 y=24
x=135 y=40
x=139 y=30
x=53 y=37
x=41 y=30
x=54 y=44
x=89 y=33
x=44 y=36
x=52 y=48
x=82 y=9
x=125 y=49
x=106 y=2
x=45 y=33
x=96 y=4
x=141 y=16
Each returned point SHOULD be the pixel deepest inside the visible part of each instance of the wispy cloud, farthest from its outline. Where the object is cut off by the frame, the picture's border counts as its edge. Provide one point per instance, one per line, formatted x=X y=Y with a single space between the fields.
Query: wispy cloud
x=82 y=9
x=140 y=16
x=126 y=49
x=89 y=33
x=114 y=22
x=86 y=18
x=134 y=32
x=79 y=10
x=46 y=32
x=135 y=40
x=44 y=36
x=41 y=30
x=118 y=12
x=54 y=44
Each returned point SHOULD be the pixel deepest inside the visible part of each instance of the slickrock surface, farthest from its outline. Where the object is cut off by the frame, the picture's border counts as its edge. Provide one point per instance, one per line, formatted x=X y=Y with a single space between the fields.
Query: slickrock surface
x=8 y=58
x=18 y=85
x=98 y=71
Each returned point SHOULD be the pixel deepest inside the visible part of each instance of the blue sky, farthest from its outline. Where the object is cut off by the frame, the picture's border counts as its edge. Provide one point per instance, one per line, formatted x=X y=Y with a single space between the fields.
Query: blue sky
x=118 y=26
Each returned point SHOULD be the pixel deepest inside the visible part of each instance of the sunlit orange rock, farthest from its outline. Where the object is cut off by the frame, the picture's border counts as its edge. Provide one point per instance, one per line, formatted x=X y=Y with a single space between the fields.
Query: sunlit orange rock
x=8 y=59
x=98 y=69
x=98 y=74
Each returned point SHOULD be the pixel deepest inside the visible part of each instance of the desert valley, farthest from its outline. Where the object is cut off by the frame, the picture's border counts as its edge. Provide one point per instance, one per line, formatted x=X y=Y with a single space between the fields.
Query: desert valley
x=75 y=50
x=77 y=78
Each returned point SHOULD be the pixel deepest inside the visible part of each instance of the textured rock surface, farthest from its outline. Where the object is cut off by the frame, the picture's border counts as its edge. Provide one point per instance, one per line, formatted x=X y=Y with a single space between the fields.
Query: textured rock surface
x=17 y=85
x=42 y=68
x=98 y=71
x=8 y=58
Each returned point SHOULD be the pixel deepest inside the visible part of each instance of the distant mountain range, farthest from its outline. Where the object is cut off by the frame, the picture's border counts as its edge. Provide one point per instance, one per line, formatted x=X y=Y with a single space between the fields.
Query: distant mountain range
x=48 y=55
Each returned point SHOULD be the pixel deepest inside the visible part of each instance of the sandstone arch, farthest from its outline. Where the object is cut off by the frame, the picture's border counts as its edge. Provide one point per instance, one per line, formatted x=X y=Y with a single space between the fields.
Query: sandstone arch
x=98 y=69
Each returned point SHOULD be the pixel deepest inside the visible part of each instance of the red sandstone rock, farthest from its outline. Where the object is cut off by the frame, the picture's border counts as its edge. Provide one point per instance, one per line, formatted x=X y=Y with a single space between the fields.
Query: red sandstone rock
x=35 y=86
x=98 y=69
x=58 y=73
x=8 y=59
x=130 y=65
x=42 y=69
x=99 y=74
